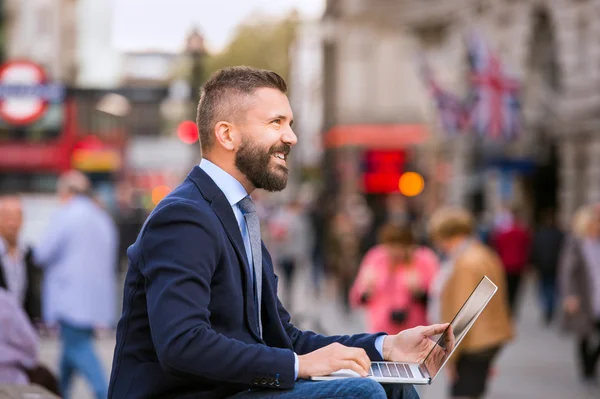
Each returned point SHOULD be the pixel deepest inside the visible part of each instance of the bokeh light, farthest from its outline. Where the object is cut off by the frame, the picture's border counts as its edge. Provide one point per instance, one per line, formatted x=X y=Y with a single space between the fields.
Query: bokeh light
x=159 y=192
x=411 y=184
x=187 y=131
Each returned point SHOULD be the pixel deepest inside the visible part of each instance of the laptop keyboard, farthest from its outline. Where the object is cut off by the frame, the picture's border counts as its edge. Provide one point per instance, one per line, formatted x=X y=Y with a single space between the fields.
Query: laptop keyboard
x=390 y=370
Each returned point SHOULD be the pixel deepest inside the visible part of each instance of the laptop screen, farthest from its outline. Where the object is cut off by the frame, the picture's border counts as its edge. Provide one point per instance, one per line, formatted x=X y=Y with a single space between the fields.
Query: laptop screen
x=460 y=325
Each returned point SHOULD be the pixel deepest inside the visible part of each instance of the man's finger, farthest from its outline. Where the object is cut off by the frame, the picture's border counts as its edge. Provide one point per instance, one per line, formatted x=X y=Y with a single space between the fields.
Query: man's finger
x=352 y=365
x=435 y=329
x=360 y=356
x=449 y=334
x=450 y=339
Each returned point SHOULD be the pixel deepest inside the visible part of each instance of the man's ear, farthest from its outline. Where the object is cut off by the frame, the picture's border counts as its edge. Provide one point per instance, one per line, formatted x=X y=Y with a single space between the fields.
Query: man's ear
x=224 y=135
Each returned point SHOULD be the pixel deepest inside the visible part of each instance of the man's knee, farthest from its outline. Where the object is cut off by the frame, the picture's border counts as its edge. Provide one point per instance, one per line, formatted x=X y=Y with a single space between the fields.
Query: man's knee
x=366 y=388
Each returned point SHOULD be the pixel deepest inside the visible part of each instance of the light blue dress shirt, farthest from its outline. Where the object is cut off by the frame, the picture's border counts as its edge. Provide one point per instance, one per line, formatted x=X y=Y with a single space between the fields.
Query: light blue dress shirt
x=235 y=192
x=79 y=258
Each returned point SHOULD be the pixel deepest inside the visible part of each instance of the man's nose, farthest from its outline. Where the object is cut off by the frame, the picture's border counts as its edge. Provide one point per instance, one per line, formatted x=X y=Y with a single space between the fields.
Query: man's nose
x=290 y=137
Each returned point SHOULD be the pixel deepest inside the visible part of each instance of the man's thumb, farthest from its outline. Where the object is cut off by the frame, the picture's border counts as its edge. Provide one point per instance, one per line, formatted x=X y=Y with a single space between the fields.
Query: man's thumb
x=435 y=329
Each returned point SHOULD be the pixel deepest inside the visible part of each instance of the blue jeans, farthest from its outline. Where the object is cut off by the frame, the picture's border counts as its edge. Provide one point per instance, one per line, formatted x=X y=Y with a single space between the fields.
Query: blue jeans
x=548 y=295
x=350 y=388
x=78 y=355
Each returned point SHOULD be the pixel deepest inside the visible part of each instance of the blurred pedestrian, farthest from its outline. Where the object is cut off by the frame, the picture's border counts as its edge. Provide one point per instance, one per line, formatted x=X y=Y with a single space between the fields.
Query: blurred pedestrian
x=129 y=216
x=78 y=255
x=468 y=260
x=512 y=242
x=18 y=273
x=342 y=252
x=393 y=281
x=19 y=342
x=289 y=230
x=397 y=210
x=317 y=216
x=580 y=287
x=19 y=348
x=545 y=253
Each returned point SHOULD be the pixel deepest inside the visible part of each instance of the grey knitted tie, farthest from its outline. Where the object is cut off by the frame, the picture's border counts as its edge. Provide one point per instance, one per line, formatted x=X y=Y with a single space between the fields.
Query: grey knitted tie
x=249 y=210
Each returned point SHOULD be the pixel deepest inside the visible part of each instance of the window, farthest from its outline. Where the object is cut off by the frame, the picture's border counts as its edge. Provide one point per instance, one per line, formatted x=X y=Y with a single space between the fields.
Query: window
x=14 y=182
x=48 y=127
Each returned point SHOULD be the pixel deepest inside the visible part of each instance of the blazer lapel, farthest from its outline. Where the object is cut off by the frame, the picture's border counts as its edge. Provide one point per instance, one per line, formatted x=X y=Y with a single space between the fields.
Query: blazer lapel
x=270 y=301
x=222 y=208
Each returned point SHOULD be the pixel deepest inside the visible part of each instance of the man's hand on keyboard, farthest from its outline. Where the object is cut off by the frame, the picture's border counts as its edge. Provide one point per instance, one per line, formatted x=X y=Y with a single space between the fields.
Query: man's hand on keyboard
x=333 y=358
x=414 y=344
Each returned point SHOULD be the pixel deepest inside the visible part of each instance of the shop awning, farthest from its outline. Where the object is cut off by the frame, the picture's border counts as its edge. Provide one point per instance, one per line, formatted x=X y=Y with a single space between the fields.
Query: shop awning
x=376 y=136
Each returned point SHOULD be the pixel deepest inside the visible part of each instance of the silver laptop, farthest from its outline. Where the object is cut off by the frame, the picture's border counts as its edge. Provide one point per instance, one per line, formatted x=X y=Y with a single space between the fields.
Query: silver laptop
x=425 y=373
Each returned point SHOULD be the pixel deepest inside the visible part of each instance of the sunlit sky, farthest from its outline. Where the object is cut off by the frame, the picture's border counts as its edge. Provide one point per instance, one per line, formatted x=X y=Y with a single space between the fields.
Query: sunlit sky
x=164 y=24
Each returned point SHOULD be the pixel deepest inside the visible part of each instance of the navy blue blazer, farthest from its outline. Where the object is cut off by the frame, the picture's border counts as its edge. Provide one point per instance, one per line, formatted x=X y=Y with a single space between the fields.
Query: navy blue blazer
x=188 y=327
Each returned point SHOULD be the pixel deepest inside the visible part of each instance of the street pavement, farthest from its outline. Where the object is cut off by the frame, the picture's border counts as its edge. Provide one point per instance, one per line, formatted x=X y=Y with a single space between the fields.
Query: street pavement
x=540 y=363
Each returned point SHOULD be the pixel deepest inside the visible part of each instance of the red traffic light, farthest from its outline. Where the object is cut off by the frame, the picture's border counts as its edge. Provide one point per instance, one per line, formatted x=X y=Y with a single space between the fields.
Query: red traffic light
x=187 y=131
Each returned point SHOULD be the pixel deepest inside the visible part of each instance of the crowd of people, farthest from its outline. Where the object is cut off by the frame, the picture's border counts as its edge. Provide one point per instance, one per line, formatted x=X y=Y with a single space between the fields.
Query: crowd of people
x=404 y=285
x=414 y=273
x=66 y=281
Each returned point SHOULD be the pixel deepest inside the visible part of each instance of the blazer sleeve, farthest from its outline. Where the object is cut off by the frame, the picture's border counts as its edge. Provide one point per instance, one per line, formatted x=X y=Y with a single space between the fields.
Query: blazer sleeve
x=180 y=250
x=305 y=342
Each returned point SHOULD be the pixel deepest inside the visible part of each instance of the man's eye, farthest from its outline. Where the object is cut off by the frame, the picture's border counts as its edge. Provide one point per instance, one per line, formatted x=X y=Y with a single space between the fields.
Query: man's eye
x=277 y=121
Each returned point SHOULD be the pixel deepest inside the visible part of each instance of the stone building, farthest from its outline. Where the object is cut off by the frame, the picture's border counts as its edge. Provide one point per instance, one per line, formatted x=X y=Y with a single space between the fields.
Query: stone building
x=371 y=76
x=45 y=32
x=70 y=39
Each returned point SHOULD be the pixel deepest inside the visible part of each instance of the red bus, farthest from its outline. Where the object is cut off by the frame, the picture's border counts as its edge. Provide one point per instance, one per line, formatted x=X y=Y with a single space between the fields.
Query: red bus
x=71 y=133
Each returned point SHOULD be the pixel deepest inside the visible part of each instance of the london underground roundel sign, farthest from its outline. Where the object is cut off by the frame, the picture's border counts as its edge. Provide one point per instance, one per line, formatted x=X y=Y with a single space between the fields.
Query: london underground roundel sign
x=25 y=92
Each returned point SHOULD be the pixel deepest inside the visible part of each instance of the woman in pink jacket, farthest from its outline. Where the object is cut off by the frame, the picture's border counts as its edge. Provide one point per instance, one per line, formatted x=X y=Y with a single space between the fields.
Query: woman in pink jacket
x=393 y=281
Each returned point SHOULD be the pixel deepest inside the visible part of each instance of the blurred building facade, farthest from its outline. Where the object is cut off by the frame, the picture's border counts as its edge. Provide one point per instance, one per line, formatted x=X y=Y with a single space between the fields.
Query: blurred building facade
x=306 y=97
x=147 y=68
x=70 y=39
x=99 y=61
x=371 y=77
x=45 y=32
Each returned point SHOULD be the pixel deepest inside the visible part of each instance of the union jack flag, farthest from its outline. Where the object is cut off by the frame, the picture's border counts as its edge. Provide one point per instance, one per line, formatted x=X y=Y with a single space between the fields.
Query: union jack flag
x=494 y=106
x=452 y=113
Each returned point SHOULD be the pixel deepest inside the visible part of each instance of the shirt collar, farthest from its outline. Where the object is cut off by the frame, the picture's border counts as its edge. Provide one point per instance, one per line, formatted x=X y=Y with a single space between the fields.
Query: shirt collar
x=233 y=189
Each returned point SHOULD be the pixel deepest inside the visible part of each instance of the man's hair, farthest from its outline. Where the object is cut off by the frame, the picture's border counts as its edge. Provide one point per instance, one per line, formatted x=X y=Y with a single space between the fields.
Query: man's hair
x=450 y=222
x=396 y=234
x=74 y=182
x=222 y=97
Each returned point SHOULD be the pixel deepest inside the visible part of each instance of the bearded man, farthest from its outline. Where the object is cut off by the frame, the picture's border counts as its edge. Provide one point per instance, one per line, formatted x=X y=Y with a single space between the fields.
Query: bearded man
x=201 y=317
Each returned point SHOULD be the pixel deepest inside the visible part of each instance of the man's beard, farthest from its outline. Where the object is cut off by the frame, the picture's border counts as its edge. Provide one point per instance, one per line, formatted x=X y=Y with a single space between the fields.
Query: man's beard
x=255 y=163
